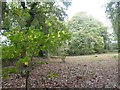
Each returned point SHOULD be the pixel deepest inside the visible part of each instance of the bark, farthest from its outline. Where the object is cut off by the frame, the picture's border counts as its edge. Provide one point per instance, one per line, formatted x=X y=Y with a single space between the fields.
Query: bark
x=118 y=4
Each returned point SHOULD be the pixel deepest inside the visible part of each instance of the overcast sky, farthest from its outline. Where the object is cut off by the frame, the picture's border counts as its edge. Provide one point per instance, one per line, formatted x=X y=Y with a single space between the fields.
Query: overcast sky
x=93 y=7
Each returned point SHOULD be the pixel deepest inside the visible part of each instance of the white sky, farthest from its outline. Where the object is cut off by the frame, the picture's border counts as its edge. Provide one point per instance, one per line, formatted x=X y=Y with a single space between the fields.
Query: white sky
x=93 y=7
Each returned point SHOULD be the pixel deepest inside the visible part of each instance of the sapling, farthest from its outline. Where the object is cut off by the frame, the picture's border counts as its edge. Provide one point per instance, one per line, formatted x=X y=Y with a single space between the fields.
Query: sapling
x=63 y=54
x=63 y=57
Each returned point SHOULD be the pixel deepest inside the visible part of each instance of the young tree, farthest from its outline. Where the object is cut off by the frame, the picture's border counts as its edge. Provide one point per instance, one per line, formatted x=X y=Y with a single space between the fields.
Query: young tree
x=29 y=28
x=39 y=14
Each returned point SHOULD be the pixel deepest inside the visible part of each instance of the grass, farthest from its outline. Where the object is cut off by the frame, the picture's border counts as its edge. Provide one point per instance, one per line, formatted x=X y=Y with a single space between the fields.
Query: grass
x=106 y=60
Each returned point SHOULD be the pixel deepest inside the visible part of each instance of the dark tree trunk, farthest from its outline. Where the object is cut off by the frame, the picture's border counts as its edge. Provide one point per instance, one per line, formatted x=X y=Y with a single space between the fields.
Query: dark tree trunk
x=42 y=53
x=118 y=5
x=118 y=21
x=0 y=12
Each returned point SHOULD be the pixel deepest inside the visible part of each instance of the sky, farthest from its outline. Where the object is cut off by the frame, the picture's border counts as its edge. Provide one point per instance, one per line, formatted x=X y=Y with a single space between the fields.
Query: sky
x=92 y=7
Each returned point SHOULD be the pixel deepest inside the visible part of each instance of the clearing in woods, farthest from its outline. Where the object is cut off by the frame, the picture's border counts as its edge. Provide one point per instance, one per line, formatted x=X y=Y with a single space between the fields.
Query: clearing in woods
x=88 y=71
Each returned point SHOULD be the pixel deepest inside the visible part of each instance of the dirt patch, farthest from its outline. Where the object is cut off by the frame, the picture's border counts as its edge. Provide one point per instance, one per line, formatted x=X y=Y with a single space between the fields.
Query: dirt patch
x=78 y=71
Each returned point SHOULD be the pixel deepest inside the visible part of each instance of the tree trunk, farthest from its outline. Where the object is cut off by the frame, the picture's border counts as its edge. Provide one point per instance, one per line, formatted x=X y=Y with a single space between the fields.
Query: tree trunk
x=0 y=12
x=118 y=4
x=118 y=23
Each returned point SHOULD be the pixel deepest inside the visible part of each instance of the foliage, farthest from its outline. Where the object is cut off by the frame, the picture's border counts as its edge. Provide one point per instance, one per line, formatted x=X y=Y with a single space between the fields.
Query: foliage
x=29 y=29
x=89 y=35
x=7 y=71
x=53 y=75
x=44 y=15
x=113 y=13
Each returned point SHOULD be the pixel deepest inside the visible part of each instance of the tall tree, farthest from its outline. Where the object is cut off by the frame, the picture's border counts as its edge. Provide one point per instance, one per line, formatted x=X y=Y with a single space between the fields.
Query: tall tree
x=89 y=34
x=113 y=13
x=38 y=14
x=31 y=27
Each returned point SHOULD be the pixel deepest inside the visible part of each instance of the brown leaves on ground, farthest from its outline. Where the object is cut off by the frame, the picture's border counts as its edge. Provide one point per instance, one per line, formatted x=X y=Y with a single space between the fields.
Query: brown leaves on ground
x=78 y=71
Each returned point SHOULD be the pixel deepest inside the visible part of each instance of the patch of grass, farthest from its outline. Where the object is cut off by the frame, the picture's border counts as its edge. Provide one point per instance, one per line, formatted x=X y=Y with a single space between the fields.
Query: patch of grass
x=53 y=75
x=115 y=56
x=7 y=71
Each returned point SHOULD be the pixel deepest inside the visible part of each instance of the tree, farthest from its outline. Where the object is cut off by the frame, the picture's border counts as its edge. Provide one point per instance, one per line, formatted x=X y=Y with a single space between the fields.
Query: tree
x=113 y=13
x=89 y=35
x=30 y=28
x=39 y=14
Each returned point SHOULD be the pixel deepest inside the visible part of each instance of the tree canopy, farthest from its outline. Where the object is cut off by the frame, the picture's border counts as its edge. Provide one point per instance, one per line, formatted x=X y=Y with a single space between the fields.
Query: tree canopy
x=113 y=13
x=31 y=27
x=89 y=35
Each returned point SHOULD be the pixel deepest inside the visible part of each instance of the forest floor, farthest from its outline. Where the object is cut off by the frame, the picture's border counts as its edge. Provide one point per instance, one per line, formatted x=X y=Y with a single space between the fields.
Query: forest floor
x=88 y=71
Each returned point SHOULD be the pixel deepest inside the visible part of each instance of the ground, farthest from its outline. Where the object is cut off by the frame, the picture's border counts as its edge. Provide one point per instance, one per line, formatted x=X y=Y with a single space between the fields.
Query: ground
x=89 y=71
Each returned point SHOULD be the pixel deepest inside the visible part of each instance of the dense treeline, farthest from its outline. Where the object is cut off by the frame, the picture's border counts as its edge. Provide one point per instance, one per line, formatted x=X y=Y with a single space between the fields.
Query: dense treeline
x=89 y=36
